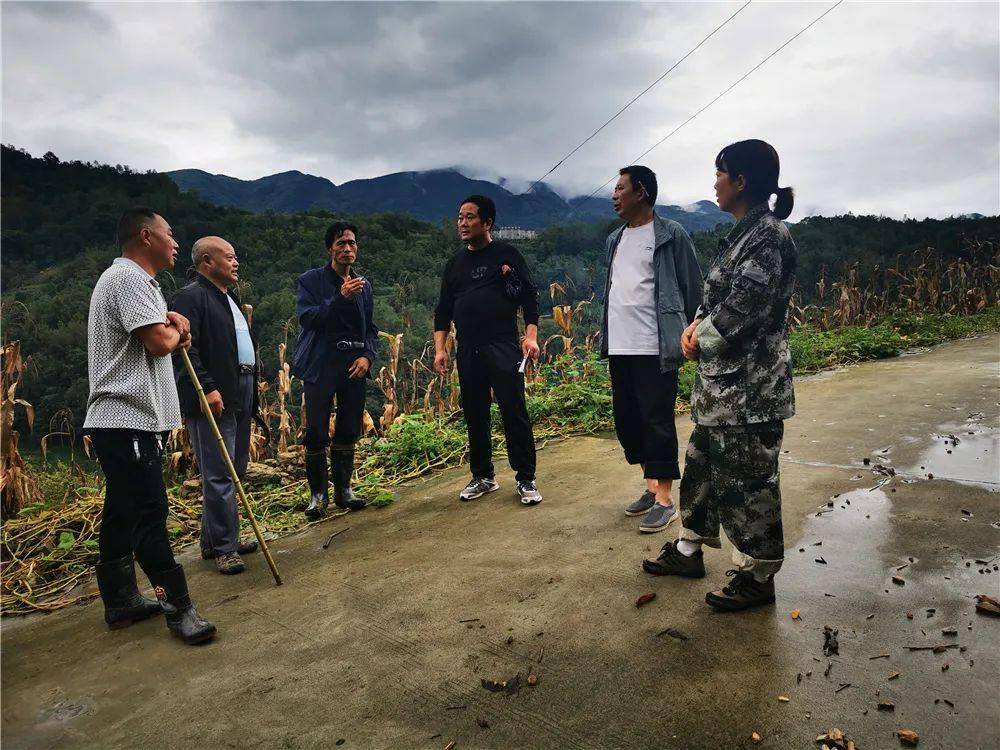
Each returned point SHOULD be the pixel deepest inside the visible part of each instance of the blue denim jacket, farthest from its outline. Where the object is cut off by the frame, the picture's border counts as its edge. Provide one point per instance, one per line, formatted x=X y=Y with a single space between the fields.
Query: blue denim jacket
x=316 y=293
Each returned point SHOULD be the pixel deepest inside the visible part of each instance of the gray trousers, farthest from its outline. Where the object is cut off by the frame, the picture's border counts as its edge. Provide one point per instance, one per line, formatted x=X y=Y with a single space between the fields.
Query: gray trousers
x=220 y=517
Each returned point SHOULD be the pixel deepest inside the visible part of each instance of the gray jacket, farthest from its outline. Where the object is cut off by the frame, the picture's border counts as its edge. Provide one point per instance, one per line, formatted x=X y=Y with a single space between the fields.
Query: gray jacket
x=678 y=287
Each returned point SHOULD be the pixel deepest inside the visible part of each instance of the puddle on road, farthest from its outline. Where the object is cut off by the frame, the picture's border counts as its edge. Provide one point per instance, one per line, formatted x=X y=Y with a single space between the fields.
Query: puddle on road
x=968 y=454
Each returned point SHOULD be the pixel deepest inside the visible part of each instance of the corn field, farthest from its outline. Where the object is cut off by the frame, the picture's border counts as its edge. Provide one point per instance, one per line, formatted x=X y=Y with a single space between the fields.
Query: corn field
x=48 y=548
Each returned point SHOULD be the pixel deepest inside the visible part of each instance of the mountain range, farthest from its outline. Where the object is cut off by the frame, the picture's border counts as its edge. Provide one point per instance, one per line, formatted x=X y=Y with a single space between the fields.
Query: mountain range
x=430 y=195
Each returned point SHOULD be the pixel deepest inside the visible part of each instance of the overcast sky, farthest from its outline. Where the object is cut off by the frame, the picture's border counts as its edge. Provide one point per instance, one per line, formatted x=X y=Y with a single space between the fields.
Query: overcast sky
x=879 y=108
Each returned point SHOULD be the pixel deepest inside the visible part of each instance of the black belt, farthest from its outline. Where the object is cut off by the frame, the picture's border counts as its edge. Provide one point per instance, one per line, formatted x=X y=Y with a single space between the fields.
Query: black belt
x=345 y=346
x=247 y=369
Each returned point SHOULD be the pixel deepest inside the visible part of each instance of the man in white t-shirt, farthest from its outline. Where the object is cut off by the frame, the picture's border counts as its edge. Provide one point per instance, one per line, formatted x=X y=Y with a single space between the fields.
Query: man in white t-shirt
x=131 y=409
x=653 y=290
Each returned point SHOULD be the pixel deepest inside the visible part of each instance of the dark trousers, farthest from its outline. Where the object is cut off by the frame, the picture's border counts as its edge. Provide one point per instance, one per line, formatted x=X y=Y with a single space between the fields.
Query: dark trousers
x=220 y=515
x=643 y=400
x=134 y=519
x=491 y=371
x=350 y=395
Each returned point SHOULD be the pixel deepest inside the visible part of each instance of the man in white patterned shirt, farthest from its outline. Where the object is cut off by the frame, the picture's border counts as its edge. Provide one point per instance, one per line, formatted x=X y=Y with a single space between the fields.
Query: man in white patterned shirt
x=132 y=407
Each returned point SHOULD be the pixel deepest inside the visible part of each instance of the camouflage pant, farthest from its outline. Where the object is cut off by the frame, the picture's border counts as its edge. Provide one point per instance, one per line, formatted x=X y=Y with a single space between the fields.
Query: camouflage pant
x=731 y=476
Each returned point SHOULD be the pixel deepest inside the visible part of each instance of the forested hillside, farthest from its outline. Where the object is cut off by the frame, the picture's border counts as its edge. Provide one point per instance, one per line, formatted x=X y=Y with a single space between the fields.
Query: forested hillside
x=58 y=222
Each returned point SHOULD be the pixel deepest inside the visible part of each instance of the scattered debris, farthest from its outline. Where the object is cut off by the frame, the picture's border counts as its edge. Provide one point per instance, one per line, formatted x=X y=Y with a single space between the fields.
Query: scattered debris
x=326 y=544
x=755 y=738
x=950 y=631
x=909 y=615
x=783 y=699
x=483 y=724
x=455 y=708
x=944 y=667
x=796 y=615
x=532 y=679
x=893 y=675
x=830 y=643
x=674 y=633
x=908 y=737
x=987 y=605
x=450 y=745
x=829 y=668
x=898 y=581
x=878 y=656
x=886 y=706
x=843 y=686
x=510 y=687
x=820 y=560
x=869 y=617
x=645 y=599
x=510 y=640
x=473 y=619
x=835 y=739
x=798 y=678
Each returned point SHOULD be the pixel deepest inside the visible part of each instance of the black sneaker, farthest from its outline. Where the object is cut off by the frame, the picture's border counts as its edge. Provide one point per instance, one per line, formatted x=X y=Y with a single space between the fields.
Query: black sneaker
x=673 y=562
x=478 y=487
x=743 y=592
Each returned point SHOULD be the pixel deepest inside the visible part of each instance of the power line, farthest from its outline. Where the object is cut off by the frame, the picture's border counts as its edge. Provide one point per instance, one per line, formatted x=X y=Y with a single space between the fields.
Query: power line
x=726 y=91
x=636 y=97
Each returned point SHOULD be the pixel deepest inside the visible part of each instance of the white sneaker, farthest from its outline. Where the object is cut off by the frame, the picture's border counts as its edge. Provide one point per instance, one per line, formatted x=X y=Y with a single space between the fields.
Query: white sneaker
x=529 y=493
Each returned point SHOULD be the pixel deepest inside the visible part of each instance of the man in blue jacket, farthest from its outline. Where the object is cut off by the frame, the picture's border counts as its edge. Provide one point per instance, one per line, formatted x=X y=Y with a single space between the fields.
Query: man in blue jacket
x=334 y=354
x=653 y=290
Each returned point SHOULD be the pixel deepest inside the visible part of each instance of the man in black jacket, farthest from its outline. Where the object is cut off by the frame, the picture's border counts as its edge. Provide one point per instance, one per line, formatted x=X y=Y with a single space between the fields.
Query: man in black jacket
x=223 y=353
x=482 y=287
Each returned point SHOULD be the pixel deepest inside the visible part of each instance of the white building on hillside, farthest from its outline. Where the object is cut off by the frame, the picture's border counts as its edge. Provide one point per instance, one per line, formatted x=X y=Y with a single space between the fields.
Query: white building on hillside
x=514 y=233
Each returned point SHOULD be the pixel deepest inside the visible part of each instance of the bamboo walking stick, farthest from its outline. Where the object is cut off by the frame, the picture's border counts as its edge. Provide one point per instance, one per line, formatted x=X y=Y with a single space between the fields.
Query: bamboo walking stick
x=207 y=410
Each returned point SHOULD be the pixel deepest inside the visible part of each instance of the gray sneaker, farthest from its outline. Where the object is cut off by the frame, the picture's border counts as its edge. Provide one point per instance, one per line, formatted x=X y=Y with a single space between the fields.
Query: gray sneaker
x=230 y=563
x=641 y=506
x=658 y=518
x=478 y=487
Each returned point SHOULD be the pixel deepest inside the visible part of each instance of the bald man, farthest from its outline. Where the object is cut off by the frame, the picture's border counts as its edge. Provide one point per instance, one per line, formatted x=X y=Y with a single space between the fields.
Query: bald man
x=224 y=355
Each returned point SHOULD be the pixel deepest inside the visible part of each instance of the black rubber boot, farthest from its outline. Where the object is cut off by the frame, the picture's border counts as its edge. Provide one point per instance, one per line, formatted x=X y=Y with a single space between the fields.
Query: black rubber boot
x=123 y=604
x=182 y=618
x=342 y=465
x=319 y=483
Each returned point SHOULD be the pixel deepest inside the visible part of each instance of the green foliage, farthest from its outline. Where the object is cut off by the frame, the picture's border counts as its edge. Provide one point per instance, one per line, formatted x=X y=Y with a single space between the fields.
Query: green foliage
x=816 y=350
x=58 y=223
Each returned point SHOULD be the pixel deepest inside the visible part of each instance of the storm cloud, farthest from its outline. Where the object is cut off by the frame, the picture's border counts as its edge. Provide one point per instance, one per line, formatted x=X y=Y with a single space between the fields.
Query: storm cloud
x=879 y=108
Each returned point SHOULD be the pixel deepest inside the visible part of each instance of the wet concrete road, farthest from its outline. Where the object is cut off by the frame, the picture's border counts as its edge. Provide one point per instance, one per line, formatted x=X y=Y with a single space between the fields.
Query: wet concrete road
x=365 y=641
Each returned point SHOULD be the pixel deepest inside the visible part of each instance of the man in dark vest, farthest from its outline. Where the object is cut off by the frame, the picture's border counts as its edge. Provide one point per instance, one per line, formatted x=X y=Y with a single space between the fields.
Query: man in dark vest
x=334 y=354
x=224 y=356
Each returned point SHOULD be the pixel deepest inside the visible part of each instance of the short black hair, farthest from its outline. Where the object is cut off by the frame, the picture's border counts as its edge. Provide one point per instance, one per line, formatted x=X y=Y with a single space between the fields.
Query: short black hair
x=487 y=208
x=131 y=223
x=642 y=178
x=336 y=229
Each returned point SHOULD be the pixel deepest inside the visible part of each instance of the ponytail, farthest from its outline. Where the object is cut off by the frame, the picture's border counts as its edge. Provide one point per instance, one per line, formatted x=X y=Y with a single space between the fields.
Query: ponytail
x=758 y=163
x=784 y=202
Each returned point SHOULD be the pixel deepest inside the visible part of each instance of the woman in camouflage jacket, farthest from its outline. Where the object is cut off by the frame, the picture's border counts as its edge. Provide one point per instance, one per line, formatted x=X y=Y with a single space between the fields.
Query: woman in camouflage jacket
x=743 y=386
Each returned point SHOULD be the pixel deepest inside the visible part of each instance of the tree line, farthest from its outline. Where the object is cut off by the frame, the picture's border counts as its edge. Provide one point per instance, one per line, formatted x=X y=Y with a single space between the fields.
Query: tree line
x=58 y=223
